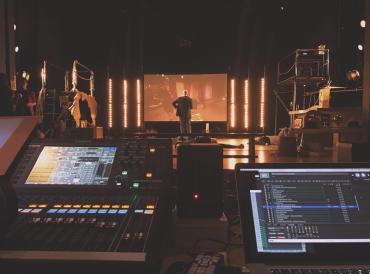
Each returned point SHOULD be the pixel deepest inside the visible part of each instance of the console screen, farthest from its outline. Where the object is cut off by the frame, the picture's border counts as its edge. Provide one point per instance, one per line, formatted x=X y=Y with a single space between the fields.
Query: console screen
x=57 y=165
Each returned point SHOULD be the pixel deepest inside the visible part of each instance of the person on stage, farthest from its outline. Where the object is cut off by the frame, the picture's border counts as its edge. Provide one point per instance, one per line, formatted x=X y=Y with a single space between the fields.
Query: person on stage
x=183 y=106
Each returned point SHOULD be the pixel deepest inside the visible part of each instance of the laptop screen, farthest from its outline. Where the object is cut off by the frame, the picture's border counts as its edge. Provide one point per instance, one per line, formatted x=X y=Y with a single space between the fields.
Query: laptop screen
x=306 y=211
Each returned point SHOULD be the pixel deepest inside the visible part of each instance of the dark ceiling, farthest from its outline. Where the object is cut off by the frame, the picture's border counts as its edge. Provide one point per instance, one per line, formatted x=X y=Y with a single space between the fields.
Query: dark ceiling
x=136 y=36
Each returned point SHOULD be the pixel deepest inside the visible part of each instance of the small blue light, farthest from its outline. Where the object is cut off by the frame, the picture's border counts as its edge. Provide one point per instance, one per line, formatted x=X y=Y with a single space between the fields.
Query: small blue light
x=122 y=211
x=92 y=211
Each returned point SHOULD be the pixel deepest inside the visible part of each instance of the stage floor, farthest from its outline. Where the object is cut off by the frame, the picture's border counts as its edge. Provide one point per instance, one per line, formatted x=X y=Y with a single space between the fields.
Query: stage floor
x=265 y=154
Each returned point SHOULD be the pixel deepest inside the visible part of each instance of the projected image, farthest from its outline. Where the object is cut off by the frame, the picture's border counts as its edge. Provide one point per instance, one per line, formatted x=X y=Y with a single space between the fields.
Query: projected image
x=207 y=91
x=73 y=166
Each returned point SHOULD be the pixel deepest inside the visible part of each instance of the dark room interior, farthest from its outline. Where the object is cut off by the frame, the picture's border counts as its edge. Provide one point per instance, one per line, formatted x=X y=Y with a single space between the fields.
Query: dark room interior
x=185 y=136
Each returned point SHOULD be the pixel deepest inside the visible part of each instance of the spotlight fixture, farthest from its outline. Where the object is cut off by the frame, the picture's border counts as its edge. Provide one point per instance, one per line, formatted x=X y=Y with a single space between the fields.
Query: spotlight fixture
x=353 y=75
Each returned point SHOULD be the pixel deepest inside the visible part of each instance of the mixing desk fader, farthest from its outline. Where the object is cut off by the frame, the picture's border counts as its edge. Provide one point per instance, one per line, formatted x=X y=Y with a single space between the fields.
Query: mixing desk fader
x=100 y=201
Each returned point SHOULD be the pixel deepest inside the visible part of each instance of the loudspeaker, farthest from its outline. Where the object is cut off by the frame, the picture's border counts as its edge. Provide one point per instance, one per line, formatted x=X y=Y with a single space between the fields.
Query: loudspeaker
x=355 y=152
x=200 y=180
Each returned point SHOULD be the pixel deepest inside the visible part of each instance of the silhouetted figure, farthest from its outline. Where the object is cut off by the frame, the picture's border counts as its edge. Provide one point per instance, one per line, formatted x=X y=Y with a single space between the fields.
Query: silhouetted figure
x=25 y=99
x=6 y=108
x=183 y=106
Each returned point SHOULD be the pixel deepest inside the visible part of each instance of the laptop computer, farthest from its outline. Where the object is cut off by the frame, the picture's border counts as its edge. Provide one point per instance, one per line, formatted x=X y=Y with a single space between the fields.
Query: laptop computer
x=305 y=218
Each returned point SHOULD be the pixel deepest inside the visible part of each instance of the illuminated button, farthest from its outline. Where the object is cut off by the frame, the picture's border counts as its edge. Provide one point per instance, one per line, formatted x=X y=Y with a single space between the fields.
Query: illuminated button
x=72 y=211
x=67 y=206
x=32 y=206
x=36 y=210
x=115 y=206
x=26 y=210
x=139 y=210
x=57 y=206
x=149 y=175
x=196 y=196
x=125 y=206
x=122 y=211
x=96 y=206
x=86 y=206
x=102 y=211
x=52 y=210
x=106 y=206
x=92 y=211
x=150 y=206
x=43 y=206
x=149 y=211
x=124 y=173
x=136 y=185
x=62 y=211
x=76 y=206
x=112 y=211
x=152 y=150
x=20 y=209
x=82 y=211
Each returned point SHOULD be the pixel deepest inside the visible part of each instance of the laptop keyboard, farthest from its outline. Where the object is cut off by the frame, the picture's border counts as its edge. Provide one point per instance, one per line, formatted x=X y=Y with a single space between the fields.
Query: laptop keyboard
x=320 y=271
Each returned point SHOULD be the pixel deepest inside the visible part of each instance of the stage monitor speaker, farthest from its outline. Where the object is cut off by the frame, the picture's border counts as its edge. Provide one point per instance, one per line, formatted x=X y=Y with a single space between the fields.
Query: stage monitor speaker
x=200 y=180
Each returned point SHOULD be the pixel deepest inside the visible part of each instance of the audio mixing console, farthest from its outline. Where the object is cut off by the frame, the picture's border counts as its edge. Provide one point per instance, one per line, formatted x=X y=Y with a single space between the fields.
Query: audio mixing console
x=100 y=201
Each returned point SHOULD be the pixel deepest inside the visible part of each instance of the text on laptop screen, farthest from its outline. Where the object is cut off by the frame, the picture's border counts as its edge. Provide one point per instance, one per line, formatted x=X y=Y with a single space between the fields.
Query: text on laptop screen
x=295 y=207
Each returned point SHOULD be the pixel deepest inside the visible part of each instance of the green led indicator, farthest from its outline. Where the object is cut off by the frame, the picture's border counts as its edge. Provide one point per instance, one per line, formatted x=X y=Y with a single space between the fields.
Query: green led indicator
x=135 y=185
x=124 y=173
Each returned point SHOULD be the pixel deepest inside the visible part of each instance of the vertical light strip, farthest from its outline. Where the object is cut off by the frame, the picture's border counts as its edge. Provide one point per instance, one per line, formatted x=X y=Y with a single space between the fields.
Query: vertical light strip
x=125 y=104
x=110 y=103
x=262 y=104
x=138 y=102
x=246 y=104
x=232 y=104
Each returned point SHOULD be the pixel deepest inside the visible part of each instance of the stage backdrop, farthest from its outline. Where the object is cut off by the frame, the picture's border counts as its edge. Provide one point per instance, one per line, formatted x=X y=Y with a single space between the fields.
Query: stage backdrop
x=208 y=92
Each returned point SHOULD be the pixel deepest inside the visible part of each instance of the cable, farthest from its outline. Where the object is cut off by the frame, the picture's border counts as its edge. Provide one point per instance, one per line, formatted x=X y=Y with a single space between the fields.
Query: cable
x=282 y=73
x=83 y=78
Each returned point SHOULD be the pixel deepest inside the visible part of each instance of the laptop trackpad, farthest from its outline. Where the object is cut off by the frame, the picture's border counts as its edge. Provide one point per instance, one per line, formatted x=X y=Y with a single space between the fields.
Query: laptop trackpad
x=258 y=269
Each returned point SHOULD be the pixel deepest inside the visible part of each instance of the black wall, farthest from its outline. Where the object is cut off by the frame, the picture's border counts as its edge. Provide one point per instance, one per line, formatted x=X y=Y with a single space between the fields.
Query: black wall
x=132 y=37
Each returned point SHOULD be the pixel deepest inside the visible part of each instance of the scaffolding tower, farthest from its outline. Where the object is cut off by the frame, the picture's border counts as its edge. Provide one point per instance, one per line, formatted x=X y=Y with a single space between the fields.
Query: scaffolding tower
x=300 y=75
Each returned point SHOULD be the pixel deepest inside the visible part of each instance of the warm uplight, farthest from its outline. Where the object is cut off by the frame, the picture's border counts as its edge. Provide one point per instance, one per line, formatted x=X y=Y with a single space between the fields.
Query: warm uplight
x=246 y=104
x=138 y=102
x=232 y=104
x=262 y=104
x=125 y=104
x=110 y=103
